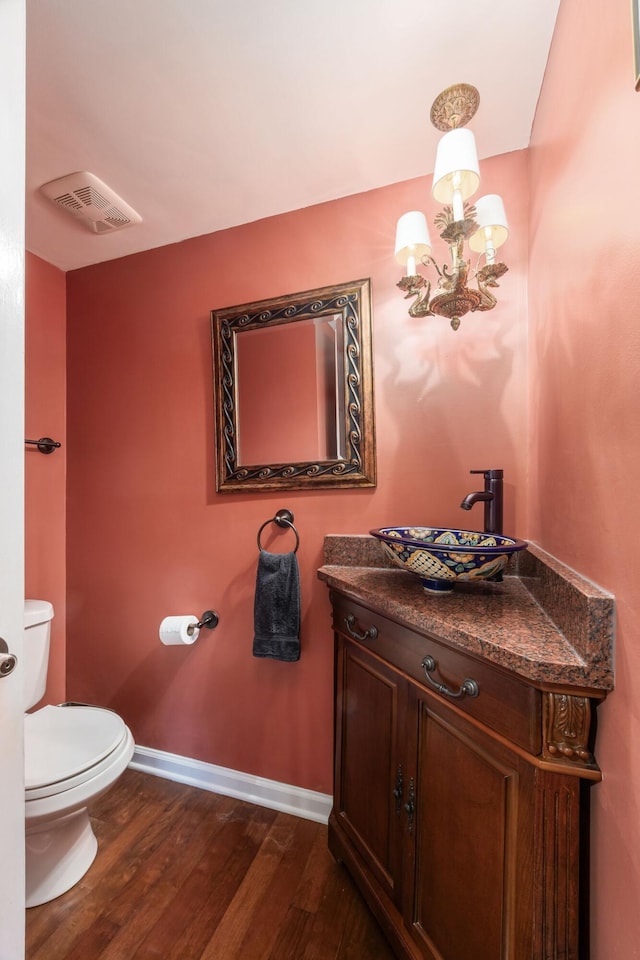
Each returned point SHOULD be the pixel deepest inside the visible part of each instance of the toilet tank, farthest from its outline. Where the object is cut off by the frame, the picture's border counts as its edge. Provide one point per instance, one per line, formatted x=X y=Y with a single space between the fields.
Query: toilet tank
x=37 y=628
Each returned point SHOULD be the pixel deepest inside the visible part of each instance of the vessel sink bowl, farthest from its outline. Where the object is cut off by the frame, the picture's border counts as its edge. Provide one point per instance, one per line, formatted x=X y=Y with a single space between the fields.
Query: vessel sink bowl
x=442 y=557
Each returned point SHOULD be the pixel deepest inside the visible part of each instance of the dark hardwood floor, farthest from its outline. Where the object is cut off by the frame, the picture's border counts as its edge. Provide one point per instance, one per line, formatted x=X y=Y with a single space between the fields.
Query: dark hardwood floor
x=184 y=874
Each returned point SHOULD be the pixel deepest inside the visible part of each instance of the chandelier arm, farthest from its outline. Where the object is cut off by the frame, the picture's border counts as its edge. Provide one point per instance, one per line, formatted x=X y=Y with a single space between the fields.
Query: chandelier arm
x=426 y=259
x=476 y=268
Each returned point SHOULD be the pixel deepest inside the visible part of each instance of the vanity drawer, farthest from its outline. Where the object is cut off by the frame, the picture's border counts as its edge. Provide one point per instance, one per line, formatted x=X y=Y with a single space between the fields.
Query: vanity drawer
x=504 y=703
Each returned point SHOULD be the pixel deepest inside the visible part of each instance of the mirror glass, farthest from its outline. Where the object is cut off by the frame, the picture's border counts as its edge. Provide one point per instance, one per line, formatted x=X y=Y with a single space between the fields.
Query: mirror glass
x=293 y=391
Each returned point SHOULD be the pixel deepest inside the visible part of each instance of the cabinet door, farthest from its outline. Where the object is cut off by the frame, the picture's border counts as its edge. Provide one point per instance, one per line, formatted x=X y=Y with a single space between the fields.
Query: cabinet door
x=472 y=823
x=368 y=775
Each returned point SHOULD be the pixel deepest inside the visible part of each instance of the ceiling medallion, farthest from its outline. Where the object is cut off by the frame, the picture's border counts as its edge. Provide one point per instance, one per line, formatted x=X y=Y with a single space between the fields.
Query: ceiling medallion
x=455 y=107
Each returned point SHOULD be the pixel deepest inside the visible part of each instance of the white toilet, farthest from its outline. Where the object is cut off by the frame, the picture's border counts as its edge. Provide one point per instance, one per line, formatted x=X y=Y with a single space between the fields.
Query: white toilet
x=73 y=754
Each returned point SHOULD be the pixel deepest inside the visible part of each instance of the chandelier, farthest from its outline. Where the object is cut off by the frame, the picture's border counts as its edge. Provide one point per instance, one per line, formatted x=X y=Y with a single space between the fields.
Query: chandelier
x=456 y=178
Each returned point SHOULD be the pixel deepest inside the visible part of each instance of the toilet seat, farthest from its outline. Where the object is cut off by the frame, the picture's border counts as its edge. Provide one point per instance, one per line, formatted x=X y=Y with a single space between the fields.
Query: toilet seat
x=66 y=746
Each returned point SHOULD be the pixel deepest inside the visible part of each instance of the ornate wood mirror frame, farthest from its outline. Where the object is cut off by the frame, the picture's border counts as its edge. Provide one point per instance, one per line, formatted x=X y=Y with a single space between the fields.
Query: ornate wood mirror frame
x=256 y=372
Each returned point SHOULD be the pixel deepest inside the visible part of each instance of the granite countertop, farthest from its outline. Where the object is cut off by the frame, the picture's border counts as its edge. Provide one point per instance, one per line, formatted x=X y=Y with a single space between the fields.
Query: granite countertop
x=544 y=622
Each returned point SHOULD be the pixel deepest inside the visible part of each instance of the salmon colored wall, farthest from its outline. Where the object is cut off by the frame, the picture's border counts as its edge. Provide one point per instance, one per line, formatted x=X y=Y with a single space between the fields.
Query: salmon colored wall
x=45 y=475
x=147 y=534
x=584 y=286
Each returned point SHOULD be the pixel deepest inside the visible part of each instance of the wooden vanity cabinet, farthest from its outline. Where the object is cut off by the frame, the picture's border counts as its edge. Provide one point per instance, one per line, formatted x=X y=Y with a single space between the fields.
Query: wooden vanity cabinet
x=370 y=725
x=463 y=842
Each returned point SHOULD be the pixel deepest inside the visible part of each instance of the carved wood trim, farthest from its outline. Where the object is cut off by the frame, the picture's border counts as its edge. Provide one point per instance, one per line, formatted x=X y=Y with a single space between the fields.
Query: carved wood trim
x=557 y=838
x=566 y=729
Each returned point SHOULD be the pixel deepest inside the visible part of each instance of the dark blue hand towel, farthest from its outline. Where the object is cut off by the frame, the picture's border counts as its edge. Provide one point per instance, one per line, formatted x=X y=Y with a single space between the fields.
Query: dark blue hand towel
x=276 y=612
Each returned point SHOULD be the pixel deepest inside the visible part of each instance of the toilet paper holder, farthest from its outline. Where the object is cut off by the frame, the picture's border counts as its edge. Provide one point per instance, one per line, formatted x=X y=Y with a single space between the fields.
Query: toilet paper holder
x=185 y=628
x=209 y=619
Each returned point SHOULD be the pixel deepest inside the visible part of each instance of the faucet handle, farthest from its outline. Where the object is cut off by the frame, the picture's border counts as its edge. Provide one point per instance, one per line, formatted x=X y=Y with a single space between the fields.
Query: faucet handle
x=490 y=474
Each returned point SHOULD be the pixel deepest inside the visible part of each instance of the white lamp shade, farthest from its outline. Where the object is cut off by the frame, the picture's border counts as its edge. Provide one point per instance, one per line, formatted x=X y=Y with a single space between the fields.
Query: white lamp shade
x=412 y=237
x=492 y=223
x=456 y=154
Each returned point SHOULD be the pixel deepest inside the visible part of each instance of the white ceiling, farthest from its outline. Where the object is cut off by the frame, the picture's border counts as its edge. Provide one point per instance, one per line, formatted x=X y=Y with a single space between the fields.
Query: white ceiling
x=204 y=114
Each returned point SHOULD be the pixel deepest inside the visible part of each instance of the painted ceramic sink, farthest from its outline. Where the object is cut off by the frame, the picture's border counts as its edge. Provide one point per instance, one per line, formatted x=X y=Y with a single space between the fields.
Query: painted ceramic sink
x=443 y=556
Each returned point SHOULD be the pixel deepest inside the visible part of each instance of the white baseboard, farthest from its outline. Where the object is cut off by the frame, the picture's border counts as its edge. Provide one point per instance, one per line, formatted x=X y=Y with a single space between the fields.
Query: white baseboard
x=231 y=783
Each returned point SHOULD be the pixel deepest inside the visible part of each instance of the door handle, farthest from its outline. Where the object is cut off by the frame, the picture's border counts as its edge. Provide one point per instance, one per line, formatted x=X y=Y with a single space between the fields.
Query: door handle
x=7 y=660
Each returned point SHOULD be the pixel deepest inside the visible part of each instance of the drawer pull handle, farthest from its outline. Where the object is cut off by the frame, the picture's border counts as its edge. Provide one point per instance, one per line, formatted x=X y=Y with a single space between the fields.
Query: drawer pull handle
x=469 y=687
x=369 y=634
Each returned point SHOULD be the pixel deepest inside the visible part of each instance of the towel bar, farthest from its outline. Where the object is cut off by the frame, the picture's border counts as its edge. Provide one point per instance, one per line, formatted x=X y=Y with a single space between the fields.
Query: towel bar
x=45 y=444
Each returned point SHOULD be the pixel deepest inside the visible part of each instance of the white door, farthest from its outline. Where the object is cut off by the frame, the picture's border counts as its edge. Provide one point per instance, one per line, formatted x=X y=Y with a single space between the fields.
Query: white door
x=12 y=193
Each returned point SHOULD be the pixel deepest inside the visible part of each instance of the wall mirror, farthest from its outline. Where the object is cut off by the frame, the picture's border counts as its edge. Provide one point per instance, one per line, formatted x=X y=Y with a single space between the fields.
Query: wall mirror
x=293 y=391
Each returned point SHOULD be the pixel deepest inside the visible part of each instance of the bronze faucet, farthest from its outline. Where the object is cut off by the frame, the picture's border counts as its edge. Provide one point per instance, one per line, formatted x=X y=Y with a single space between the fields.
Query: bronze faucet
x=492 y=498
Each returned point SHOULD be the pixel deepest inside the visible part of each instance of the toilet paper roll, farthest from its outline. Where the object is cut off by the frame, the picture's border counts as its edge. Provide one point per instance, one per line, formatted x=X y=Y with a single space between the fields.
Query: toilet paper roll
x=179 y=630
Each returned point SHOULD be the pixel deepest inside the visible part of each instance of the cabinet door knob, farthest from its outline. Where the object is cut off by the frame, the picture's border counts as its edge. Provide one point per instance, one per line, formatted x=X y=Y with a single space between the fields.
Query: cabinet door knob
x=369 y=634
x=469 y=687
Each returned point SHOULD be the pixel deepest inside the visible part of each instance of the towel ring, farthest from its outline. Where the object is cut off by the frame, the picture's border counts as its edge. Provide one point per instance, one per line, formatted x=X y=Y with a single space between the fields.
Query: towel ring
x=283 y=518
